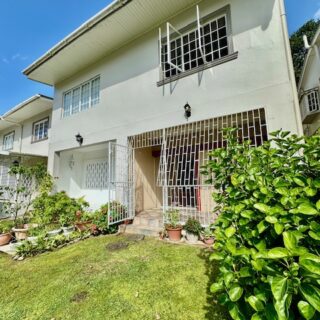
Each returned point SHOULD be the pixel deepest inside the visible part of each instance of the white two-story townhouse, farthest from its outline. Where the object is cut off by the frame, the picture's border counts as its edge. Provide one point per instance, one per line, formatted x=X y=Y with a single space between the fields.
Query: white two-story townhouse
x=24 y=133
x=144 y=88
x=309 y=86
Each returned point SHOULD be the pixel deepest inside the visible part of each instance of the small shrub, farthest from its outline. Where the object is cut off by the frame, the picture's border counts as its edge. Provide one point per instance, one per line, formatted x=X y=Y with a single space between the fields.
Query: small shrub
x=57 y=208
x=268 y=231
x=44 y=244
x=116 y=210
x=6 y=226
x=193 y=226
x=172 y=219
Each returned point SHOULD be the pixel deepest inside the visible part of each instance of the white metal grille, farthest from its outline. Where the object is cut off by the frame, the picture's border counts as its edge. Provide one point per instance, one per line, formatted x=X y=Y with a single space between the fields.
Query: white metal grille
x=185 y=148
x=195 y=48
x=121 y=183
x=96 y=174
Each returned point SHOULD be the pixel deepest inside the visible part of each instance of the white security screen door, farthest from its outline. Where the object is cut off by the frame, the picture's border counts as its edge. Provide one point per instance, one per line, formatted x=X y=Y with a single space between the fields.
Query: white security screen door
x=120 y=183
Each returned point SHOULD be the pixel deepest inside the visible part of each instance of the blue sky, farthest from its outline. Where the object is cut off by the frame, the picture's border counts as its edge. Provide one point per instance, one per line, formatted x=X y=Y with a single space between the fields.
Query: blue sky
x=28 y=28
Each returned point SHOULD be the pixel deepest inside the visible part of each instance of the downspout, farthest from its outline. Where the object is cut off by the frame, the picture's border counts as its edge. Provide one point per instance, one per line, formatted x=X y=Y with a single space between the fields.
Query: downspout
x=292 y=78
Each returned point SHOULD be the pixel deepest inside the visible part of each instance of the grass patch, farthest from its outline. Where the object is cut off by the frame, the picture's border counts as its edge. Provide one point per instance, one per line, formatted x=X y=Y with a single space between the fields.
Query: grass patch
x=146 y=280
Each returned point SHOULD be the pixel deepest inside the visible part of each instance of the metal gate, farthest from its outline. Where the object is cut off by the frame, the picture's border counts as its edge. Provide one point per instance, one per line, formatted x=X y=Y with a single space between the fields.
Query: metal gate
x=120 y=183
x=185 y=149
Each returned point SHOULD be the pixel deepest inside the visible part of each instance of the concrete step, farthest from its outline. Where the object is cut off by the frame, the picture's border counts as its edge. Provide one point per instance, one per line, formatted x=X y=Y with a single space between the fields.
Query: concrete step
x=145 y=230
x=148 y=222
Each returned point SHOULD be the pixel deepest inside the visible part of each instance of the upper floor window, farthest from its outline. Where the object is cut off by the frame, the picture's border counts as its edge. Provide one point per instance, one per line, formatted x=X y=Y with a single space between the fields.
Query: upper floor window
x=313 y=100
x=82 y=97
x=40 y=130
x=201 y=44
x=8 y=140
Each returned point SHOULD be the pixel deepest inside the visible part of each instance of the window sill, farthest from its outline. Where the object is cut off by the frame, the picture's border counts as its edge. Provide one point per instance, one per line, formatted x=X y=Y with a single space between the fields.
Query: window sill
x=208 y=65
x=40 y=140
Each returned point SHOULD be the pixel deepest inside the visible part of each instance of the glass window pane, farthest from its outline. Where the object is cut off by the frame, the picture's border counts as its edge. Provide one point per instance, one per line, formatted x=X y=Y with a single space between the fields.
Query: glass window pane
x=95 y=91
x=75 y=100
x=85 y=96
x=67 y=104
x=45 y=133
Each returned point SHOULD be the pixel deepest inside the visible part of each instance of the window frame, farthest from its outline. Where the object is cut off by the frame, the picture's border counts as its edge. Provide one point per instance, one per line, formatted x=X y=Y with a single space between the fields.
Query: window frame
x=33 y=140
x=193 y=27
x=315 y=92
x=89 y=103
x=11 y=133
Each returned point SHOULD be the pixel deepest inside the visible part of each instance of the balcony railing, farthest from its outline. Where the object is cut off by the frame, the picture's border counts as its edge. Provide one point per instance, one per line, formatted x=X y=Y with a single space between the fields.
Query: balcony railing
x=310 y=105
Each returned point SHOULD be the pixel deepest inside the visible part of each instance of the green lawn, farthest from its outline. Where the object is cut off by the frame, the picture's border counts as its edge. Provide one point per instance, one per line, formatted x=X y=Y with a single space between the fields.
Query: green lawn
x=147 y=280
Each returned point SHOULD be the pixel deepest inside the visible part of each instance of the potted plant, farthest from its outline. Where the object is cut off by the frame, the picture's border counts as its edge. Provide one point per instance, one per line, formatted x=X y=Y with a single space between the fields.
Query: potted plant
x=193 y=229
x=34 y=232
x=20 y=230
x=66 y=221
x=207 y=236
x=83 y=221
x=5 y=234
x=53 y=230
x=173 y=226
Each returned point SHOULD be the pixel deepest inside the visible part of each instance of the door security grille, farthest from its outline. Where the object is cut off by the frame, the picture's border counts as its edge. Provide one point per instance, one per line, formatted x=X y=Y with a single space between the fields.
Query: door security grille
x=120 y=183
x=185 y=148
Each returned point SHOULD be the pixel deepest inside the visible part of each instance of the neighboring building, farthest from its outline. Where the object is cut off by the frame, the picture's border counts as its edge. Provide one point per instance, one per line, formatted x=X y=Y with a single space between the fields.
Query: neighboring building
x=24 y=132
x=309 y=87
x=124 y=87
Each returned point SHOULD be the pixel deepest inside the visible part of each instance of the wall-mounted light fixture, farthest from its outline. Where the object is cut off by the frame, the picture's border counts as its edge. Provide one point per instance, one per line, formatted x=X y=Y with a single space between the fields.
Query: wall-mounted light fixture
x=79 y=139
x=187 y=111
x=15 y=163
x=71 y=162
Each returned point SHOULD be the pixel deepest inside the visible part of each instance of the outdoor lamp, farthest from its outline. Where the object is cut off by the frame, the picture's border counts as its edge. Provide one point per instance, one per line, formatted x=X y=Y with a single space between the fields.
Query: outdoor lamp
x=187 y=111
x=79 y=139
x=15 y=163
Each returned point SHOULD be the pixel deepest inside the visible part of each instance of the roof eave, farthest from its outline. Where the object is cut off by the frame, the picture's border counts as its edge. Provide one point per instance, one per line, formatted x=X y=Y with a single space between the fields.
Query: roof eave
x=25 y=103
x=100 y=16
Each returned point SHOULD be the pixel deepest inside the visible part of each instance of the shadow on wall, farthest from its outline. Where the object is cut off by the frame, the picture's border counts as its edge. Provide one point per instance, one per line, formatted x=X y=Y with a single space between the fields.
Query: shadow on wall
x=141 y=56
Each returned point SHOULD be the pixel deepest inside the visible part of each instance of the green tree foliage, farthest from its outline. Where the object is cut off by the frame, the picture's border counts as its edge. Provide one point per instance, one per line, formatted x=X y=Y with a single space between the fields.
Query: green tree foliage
x=268 y=231
x=297 y=46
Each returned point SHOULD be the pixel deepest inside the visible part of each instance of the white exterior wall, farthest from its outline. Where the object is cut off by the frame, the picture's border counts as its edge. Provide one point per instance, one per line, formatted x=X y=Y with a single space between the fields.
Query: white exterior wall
x=40 y=148
x=131 y=102
x=311 y=80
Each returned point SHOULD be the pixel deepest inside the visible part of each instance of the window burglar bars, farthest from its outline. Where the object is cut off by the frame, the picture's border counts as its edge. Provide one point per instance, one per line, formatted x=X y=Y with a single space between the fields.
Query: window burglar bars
x=185 y=148
x=205 y=43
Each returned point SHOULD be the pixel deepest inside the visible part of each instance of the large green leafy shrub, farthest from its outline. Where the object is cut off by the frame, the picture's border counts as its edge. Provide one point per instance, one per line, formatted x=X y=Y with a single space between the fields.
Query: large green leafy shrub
x=58 y=207
x=268 y=230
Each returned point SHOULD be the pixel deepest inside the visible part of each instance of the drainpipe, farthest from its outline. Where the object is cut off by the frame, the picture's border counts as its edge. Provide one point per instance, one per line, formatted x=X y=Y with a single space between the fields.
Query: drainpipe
x=290 y=67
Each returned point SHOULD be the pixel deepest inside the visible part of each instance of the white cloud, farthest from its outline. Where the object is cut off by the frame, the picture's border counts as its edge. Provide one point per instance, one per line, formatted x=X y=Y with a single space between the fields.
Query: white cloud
x=18 y=56
x=15 y=57
x=317 y=15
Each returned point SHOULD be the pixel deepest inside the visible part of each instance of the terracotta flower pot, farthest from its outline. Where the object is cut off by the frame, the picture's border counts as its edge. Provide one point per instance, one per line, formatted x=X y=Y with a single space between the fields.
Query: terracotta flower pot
x=82 y=226
x=208 y=241
x=94 y=229
x=174 y=234
x=5 y=238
